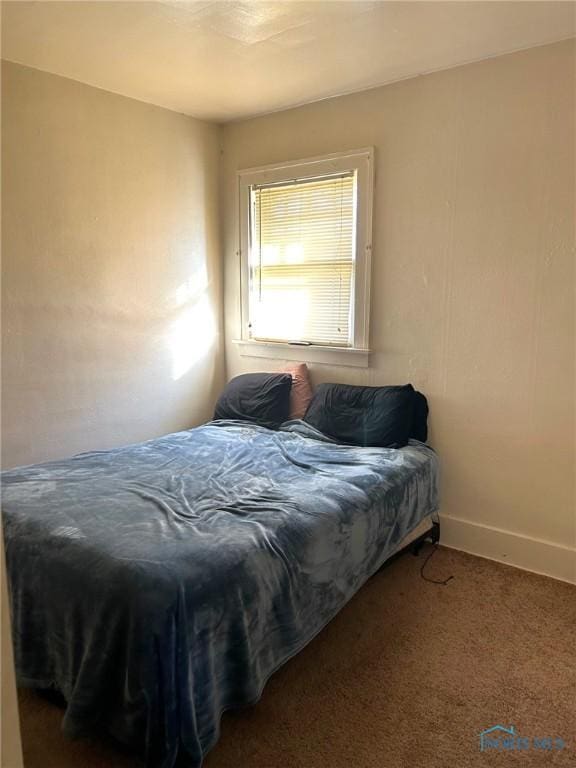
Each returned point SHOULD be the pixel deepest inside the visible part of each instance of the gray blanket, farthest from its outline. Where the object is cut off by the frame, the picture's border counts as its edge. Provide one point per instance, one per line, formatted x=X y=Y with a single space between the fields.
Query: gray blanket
x=159 y=584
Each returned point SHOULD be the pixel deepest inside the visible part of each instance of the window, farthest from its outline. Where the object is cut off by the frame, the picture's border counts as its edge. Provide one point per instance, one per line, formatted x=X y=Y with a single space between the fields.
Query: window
x=305 y=250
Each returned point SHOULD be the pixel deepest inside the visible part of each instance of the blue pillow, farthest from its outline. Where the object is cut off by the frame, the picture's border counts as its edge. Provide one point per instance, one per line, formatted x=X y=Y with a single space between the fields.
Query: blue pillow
x=263 y=398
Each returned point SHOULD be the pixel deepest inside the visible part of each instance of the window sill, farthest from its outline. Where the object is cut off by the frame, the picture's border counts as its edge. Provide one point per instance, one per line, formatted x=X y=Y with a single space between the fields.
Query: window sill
x=358 y=358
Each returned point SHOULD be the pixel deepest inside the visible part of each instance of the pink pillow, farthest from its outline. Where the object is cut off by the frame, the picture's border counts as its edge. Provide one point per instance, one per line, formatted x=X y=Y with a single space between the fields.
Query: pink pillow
x=301 y=392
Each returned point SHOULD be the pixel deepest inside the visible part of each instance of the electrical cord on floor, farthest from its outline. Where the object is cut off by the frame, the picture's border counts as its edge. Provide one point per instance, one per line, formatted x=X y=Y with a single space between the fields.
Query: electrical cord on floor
x=442 y=582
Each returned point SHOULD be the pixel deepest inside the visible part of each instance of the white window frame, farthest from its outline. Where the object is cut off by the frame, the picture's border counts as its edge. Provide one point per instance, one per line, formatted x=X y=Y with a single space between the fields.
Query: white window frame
x=361 y=161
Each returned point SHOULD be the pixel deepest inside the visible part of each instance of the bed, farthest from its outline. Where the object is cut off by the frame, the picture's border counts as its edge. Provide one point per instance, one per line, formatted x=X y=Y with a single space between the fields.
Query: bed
x=157 y=585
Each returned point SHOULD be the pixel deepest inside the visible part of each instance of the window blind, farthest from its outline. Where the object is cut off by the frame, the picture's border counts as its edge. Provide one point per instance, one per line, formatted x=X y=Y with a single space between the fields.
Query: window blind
x=302 y=260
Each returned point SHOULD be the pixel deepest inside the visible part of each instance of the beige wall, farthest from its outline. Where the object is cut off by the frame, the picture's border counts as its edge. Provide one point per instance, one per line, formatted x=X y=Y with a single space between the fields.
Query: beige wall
x=111 y=298
x=473 y=280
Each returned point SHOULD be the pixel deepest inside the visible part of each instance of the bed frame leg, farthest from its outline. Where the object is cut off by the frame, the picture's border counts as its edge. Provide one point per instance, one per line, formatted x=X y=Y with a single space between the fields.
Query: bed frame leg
x=432 y=535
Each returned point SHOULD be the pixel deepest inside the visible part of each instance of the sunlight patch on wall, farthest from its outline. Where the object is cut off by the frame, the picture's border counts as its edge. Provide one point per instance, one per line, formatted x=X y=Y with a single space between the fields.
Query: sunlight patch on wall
x=191 y=336
x=192 y=288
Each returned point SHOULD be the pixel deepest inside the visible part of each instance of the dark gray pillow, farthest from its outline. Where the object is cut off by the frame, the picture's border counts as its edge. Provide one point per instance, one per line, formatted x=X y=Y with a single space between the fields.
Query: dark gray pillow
x=365 y=416
x=419 y=429
x=263 y=398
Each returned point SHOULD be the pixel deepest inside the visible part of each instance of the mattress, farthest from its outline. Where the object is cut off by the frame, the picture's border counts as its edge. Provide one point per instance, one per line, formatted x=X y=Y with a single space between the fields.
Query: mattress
x=157 y=585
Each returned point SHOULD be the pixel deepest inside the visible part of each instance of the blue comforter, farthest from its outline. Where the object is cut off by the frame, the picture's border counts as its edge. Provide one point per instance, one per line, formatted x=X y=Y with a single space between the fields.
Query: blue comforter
x=159 y=584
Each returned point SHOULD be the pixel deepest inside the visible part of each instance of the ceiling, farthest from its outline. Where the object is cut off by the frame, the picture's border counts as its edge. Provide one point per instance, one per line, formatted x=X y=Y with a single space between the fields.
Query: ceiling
x=223 y=60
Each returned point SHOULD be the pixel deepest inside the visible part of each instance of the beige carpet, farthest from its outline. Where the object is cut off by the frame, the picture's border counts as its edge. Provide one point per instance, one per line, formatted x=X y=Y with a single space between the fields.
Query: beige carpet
x=406 y=676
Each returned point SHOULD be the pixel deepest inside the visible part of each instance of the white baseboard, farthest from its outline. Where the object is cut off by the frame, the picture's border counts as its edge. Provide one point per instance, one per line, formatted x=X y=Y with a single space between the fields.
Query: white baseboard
x=515 y=549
